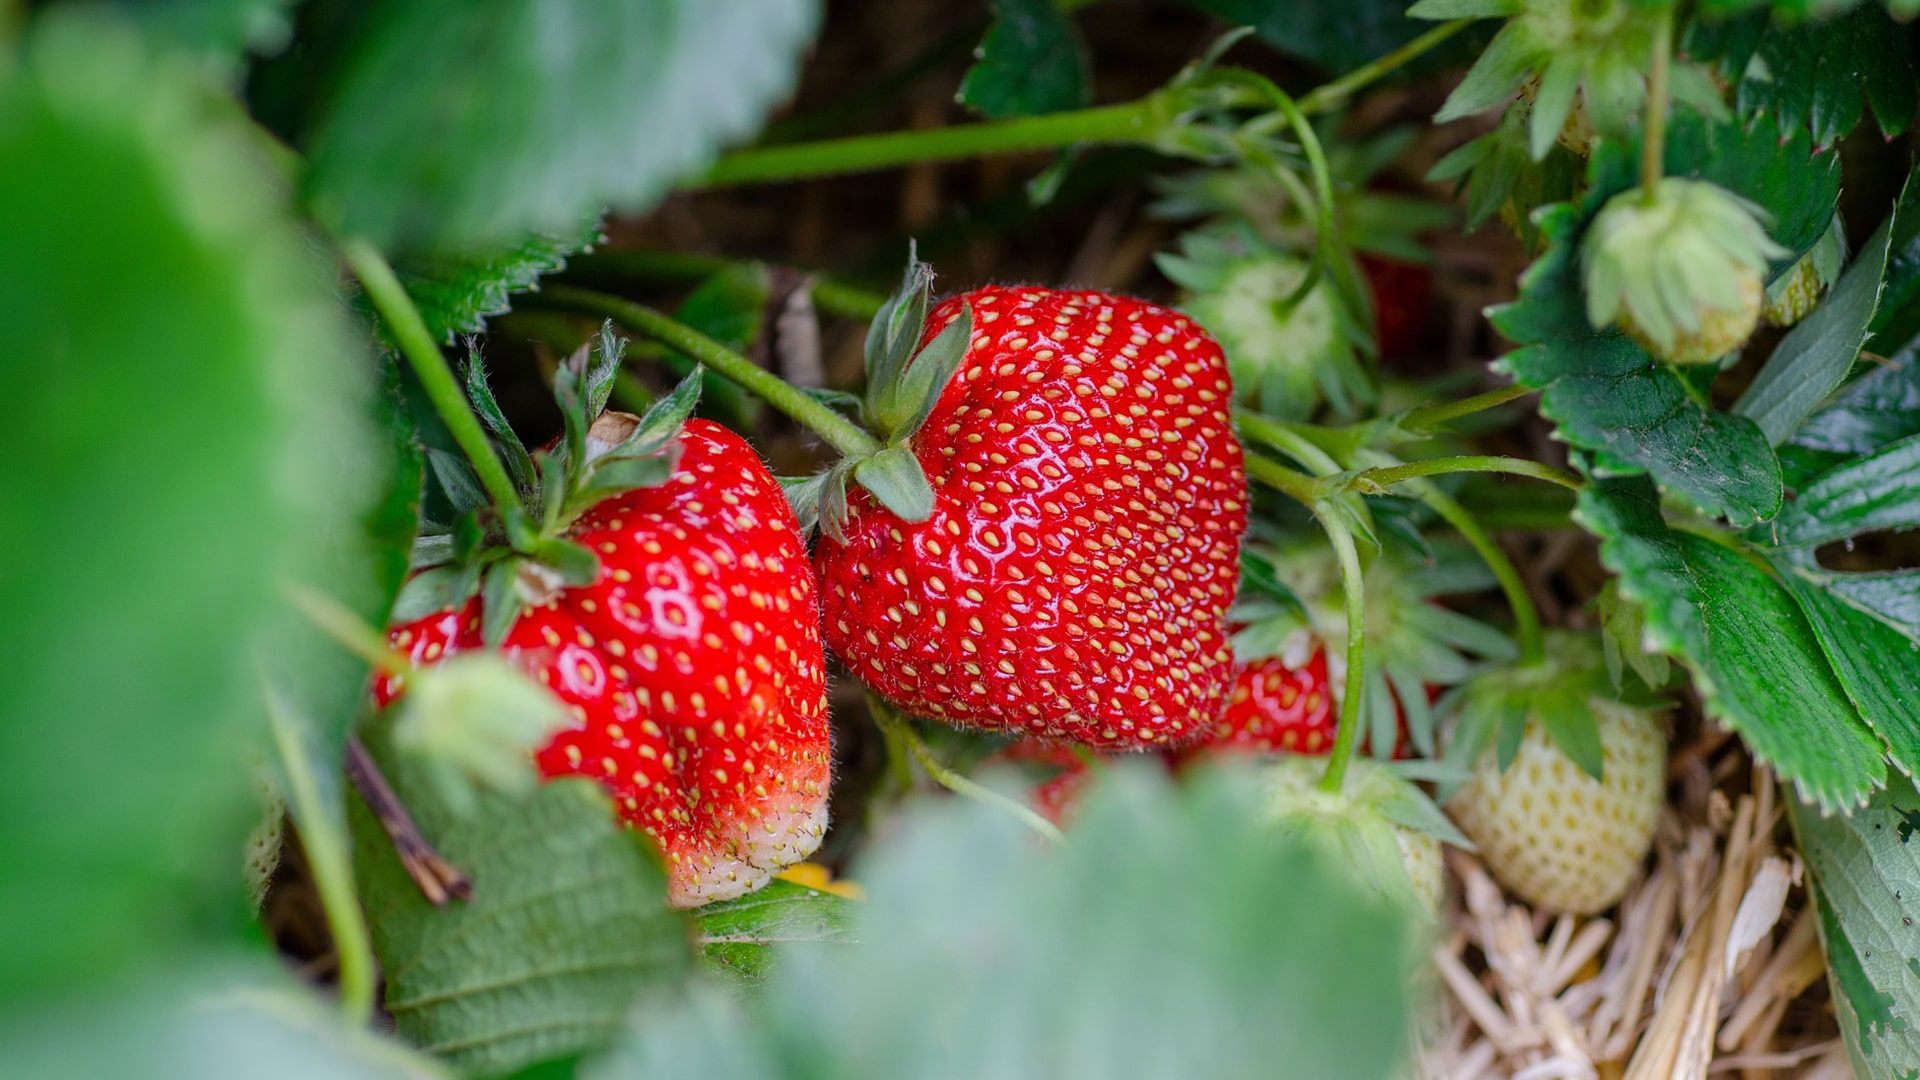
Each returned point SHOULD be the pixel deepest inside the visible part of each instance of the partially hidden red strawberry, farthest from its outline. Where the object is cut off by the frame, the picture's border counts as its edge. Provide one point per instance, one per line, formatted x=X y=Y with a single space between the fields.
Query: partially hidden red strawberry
x=692 y=666
x=1279 y=708
x=1402 y=296
x=1088 y=499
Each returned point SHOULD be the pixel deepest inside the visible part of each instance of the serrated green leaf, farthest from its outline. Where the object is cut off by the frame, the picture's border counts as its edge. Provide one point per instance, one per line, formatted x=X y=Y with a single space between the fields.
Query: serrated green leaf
x=1756 y=662
x=1897 y=324
x=567 y=926
x=1878 y=491
x=539 y=113
x=187 y=424
x=457 y=294
x=1042 y=956
x=1820 y=75
x=1881 y=407
x=1878 y=664
x=1817 y=354
x=1032 y=61
x=895 y=479
x=743 y=939
x=1864 y=868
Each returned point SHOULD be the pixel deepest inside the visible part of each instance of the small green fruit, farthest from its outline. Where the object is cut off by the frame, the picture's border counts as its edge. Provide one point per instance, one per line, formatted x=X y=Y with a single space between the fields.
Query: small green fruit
x=1378 y=826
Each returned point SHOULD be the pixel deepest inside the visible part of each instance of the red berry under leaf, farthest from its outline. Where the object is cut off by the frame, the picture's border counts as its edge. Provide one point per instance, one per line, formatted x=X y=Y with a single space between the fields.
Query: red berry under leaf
x=693 y=669
x=1083 y=549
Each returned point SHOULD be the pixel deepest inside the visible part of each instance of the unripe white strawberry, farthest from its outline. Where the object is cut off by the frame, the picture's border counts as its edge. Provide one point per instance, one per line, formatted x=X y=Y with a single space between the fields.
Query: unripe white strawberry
x=1680 y=270
x=1378 y=826
x=1554 y=835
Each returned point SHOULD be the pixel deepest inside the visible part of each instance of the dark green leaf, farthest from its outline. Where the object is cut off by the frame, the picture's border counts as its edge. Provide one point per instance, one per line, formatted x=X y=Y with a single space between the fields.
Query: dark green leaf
x=1634 y=414
x=463 y=125
x=1881 y=407
x=567 y=926
x=1035 y=962
x=1895 y=596
x=1031 y=61
x=456 y=478
x=1878 y=664
x=1336 y=37
x=458 y=294
x=1757 y=663
x=1817 y=354
x=187 y=426
x=1878 y=491
x=1897 y=323
x=1864 y=867
x=1818 y=75
x=743 y=938
x=897 y=482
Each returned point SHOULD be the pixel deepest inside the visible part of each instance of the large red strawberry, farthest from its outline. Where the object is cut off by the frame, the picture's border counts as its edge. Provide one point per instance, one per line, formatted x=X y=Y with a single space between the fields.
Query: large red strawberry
x=1072 y=576
x=690 y=659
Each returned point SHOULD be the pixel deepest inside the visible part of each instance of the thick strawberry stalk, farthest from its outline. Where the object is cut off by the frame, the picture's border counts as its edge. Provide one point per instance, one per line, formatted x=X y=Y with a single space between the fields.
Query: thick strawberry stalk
x=436 y=378
x=1653 y=147
x=1376 y=481
x=839 y=432
x=1430 y=418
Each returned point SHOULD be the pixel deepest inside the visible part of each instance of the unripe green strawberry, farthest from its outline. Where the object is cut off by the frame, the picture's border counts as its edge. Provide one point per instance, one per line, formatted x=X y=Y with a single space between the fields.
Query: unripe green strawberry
x=1378 y=826
x=1680 y=271
x=1554 y=835
x=1790 y=298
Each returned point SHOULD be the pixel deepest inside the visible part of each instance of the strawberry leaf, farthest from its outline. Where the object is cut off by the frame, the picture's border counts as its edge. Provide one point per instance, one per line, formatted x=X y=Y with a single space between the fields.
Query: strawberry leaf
x=1032 y=61
x=187 y=427
x=1817 y=354
x=540 y=115
x=1182 y=897
x=1864 y=865
x=1820 y=74
x=1758 y=665
x=567 y=925
x=458 y=294
x=1877 y=662
x=743 y=939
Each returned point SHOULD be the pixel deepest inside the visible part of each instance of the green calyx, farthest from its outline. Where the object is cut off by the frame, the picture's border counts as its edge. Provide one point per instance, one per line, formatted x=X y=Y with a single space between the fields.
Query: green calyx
x=904 y=382
x=1495 y=707
x=1592 y=55
x=519 y=554
x=1287 y=353
x=1681 y=268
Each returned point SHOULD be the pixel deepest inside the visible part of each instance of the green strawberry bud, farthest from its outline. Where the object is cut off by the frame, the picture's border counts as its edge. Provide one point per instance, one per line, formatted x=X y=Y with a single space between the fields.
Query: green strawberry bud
x=1680 y=272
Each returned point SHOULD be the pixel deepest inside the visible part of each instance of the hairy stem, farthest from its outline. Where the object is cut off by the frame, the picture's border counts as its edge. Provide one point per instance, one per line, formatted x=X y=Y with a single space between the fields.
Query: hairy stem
x=1141 y=121
x=1376 y=481
x=1526 y=619
x=839 y=432
x=1329 y=95
x=1429 y=418
x=1283 y=437
x=1298 y=486
x=896 y=727
x=332 y=865
x=1653 y=149
x=1347 y=735
x=410 y=333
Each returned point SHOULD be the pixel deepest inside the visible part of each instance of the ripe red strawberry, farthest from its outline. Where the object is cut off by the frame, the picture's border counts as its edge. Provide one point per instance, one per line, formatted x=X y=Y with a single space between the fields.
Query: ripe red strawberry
x=1073 y=576
x=1402 y=294
x=692 y=665
x=1277 y=707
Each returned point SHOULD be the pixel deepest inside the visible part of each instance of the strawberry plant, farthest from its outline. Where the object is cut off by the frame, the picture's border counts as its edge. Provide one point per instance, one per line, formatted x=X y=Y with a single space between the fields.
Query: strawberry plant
x=498 y=586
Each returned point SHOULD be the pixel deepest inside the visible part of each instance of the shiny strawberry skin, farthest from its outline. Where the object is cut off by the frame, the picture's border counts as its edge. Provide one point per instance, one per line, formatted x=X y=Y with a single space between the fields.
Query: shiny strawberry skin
x=1084 y=543
x=1277 y=708
x=693 y=668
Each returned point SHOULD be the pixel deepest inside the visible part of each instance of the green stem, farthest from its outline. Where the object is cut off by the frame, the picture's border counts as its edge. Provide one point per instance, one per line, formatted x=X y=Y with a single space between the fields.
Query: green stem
x=896 y=727
x=416 y=343
x=1347 y=735
x=1376 y=481
x=1284 y=438
x=1329 y=95
x=1526 y=619
x=1295 y=485
x=1653 y=147
x=839 y=432
x=332 y=866
x=1429 y=418
x=1141 y=121
x=831 y=296
x=346 y=628
x=1323 y=224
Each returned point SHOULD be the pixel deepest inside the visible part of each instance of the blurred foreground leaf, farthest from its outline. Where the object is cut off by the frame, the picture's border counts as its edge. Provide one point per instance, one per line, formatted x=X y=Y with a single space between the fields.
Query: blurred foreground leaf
x=183 y=427
x=1172 y=935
